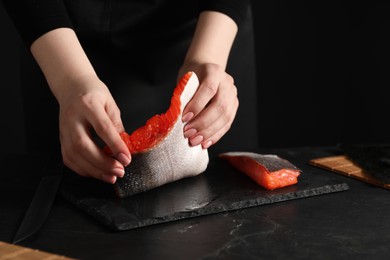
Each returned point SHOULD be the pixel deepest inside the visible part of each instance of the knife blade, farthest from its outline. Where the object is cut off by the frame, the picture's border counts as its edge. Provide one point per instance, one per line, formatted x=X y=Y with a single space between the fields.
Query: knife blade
x=43 y=199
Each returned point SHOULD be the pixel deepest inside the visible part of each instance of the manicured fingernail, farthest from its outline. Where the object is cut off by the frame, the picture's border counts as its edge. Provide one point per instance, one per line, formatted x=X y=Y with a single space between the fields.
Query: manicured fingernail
x=109 y=178
x=196 y=140
x=190 y=132
x=118 y=172
x=207 y=144
x=187 y=117
x=123 y=159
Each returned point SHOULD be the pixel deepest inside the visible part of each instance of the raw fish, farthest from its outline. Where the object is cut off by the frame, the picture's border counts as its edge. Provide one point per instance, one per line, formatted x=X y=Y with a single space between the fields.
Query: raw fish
x=268 y=170
x=160 y=152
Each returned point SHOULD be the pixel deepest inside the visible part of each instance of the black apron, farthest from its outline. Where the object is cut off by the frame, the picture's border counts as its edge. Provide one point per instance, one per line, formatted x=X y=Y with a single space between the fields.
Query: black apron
x=137 y=48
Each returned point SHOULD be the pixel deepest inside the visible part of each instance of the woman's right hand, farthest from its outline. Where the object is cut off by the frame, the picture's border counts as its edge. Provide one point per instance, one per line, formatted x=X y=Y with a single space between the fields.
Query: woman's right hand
x=85 y=104
x=90 y=106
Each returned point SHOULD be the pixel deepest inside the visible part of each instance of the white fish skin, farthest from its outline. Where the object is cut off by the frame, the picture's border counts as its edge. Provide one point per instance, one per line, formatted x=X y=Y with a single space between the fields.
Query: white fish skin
x=170 y=160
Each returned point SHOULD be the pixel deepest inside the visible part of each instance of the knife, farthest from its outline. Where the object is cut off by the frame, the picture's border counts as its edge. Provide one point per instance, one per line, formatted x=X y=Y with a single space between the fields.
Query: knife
x=43 y=199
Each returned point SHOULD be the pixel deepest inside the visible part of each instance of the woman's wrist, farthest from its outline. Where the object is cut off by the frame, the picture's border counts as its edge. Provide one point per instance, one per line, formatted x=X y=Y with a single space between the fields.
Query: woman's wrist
x=199 y=67
x=63 y=61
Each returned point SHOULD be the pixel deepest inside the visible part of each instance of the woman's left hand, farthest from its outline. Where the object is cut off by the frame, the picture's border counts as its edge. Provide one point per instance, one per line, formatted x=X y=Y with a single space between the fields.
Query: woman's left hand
x=210 y=113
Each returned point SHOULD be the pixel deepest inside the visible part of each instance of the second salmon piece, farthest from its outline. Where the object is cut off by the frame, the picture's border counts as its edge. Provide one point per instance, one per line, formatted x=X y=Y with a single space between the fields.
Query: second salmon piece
x=268 y=170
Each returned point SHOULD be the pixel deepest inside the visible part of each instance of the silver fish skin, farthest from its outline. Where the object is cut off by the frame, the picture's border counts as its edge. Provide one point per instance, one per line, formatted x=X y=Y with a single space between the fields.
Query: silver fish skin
x=170 y=160
x=271 y=162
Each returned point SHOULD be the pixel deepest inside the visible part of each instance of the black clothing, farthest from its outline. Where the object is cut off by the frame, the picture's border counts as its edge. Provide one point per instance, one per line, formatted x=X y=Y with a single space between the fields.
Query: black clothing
x=33 y=18
x=137 y=48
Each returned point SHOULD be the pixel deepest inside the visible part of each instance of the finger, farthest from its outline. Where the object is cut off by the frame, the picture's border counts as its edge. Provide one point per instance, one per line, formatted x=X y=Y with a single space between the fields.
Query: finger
x=114 y=114
x=85 y=157
x=220 y=112
x=217 y=129
x=85 y=169
x=206 y=91
x=107 y=130
x=212 y=133
x=216 y=137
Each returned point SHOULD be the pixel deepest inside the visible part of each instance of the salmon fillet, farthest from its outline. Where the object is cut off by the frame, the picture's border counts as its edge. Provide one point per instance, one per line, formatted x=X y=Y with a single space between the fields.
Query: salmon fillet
x=160 y=152
x=268 y=170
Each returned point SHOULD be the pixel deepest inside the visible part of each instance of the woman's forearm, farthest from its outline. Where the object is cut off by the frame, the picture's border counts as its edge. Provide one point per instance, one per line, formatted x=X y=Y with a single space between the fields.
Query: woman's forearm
x=85 y=102
x=213 y=39
x=62 y=60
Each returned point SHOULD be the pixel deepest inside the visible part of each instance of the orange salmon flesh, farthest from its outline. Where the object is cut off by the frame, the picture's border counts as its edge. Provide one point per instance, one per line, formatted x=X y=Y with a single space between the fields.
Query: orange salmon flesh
x=158 y=126
x=269 y=171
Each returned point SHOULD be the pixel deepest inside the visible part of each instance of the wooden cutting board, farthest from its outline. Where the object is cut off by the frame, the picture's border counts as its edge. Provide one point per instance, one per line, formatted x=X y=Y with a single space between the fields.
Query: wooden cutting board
x=343 y=165
x=13 y=252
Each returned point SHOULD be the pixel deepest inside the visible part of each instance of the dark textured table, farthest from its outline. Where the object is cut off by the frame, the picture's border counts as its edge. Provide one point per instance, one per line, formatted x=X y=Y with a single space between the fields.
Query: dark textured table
x=353 y=223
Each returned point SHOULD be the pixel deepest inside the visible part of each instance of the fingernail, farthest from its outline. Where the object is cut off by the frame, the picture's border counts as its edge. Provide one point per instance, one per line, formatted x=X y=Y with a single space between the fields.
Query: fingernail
x=207 y=144
x=196 y=140
x=187 y=117
x=190 y=132
x=123 y=159
x=118 y=172
x=109 y=178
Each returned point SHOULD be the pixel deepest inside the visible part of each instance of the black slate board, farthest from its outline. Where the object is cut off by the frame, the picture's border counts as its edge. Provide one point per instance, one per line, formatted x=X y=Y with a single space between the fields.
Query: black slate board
x=221 y=188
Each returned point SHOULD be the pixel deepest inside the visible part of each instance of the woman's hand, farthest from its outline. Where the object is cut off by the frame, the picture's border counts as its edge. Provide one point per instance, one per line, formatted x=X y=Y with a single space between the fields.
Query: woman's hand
x=90 y=106
x=85 y=104
x=213 y=108
x=210 y=113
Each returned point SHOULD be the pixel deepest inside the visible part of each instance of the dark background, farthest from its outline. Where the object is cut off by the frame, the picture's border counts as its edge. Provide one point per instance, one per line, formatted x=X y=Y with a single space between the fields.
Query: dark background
x=323 y=70
x=323 y=74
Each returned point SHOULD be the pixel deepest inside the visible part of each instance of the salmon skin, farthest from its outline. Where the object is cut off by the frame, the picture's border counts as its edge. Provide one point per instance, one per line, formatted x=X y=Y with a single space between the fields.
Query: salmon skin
x=268 y=170
x=170 y=157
